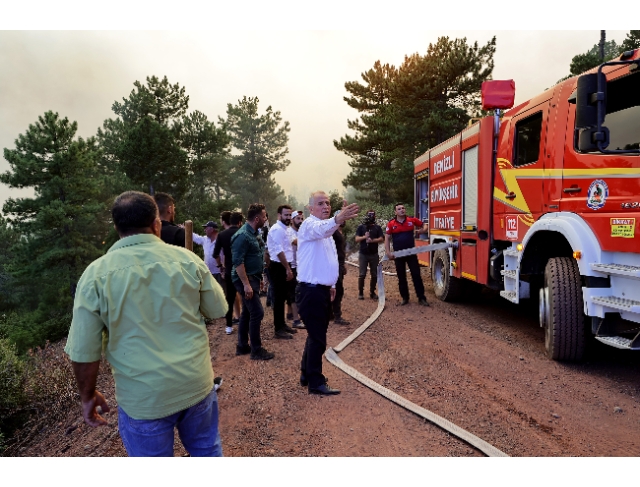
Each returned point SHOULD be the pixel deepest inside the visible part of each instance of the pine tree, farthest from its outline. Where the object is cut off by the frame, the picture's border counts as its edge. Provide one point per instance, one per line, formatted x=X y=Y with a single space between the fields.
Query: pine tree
x=260 y=143
x=632 y=41
x=63 y=225
x=406 y=110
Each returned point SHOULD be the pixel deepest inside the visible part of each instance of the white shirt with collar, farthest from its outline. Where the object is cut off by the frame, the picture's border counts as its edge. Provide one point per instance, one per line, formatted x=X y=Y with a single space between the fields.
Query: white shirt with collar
x=207 y=248
x=278 y=240
x=293 y=234
x=317 y=256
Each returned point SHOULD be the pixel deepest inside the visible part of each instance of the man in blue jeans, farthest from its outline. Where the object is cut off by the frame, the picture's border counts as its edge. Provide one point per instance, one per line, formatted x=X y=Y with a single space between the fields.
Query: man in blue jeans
x=144 y=304
x=247 y=253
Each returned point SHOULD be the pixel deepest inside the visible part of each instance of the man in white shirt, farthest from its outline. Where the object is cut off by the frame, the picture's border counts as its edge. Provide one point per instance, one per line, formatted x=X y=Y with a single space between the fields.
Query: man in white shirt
x=317 y=275
x=208 y=242
x=280 y=271
x=297 y=217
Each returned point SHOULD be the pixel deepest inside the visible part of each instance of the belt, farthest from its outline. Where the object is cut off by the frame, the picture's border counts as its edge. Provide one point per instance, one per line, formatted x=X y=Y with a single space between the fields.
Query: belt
x=322 y=286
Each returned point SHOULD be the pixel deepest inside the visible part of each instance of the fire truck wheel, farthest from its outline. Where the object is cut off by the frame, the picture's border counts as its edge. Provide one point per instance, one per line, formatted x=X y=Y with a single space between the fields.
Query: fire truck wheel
x=561 y=312
x=445 y=286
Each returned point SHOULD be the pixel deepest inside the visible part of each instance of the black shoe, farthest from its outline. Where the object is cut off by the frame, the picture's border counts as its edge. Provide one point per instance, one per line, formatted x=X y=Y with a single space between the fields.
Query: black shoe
x=262 y=354
x=303 y=380
x=360 y=296
x=235 y=321
x=217 y=382
x=340 y=321
x=244 y=350
x=373 y=296
x=283 y=335
x=423 y=302
x=404 y=301
x=324 y=390
x=299 y=325
x=288 y=329
x=290 y=316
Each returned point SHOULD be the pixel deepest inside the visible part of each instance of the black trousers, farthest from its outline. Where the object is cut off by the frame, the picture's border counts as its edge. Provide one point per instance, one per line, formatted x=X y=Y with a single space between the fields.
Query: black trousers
x=251 y=316
x=314 y=307
x=336 y=305
x=414 y=268
x=371 y=261
x=282 y=289
x=230 y=293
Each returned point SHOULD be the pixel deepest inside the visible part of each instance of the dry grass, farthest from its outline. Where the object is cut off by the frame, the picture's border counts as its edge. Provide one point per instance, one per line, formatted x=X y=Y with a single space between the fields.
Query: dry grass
x=49 y=392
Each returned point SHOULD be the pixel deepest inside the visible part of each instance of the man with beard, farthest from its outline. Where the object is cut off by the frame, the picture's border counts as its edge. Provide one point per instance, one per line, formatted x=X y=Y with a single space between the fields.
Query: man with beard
x=369 y=235
x=282 y=279
x=247 y=254
x=318 y=273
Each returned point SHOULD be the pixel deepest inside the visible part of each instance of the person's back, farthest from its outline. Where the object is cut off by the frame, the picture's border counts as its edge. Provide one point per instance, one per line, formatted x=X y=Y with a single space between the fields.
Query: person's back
x=149 y=300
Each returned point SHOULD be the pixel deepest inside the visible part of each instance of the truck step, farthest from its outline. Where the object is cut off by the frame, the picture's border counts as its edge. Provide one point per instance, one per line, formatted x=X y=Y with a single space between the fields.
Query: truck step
x=510 y=274
x=510 y=253
x=617 y=269
x=620 y=304
x=618 y=342
x=509 y=296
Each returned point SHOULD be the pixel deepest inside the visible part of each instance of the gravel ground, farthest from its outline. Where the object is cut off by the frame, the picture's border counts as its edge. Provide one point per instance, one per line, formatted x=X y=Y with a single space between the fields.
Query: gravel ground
x=480 y=364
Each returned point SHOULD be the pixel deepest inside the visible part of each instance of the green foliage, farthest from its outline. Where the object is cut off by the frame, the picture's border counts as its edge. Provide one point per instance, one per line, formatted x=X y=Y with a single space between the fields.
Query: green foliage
x=63 y=225
x=12 y=394
x=260 y=149
x=406 y=110
x=632 y=41
x=30 y=329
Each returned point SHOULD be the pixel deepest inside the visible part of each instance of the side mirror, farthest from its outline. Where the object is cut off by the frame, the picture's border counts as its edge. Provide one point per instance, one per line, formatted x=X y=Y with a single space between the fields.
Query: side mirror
x=591 y=103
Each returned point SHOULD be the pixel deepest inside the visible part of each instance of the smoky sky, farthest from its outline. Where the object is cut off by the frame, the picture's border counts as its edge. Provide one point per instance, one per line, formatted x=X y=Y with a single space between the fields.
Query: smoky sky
x=79 y=74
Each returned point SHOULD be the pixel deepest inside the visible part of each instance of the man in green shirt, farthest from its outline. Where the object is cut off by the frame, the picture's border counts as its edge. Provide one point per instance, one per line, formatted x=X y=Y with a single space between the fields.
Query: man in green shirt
x=143 y=304
x=247 y=254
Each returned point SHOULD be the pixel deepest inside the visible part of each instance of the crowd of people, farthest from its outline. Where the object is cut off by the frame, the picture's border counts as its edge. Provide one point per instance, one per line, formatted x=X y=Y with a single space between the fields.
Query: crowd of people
x=145 y=304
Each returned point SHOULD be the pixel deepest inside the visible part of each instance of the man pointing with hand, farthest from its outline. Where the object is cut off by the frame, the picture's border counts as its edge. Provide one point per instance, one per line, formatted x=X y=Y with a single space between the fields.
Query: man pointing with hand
x=317 y=277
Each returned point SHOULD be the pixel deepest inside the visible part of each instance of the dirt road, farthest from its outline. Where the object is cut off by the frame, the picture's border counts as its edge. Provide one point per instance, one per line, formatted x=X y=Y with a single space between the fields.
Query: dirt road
x=479 y=364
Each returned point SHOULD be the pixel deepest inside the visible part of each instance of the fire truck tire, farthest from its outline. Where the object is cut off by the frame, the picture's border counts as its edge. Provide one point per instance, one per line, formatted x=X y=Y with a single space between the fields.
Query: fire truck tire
x=564 y=333
x=445 y=286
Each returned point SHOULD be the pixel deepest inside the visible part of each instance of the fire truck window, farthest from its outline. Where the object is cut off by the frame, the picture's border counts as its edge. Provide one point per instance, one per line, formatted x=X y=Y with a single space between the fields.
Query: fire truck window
x=527 y=140
x=623 y=112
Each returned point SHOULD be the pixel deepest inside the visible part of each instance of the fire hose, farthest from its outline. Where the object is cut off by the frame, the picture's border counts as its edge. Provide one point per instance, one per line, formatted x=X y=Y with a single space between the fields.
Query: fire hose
x=332 y=356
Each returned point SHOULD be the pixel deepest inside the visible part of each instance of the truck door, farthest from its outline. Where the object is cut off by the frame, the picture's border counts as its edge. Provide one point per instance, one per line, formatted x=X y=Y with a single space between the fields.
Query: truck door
x=518 y=191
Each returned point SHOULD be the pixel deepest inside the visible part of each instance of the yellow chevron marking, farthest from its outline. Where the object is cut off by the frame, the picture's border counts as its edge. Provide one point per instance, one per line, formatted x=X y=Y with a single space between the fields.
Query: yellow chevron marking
x=510 y=177
x=469 y=276
x=444 y=232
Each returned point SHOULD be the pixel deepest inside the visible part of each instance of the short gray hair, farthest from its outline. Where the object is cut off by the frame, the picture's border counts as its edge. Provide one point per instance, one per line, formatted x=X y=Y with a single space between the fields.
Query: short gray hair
x=313 y=195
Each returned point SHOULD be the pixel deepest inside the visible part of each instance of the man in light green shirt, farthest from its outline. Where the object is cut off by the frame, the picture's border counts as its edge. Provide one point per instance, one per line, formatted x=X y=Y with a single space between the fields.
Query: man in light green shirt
x=143 y=304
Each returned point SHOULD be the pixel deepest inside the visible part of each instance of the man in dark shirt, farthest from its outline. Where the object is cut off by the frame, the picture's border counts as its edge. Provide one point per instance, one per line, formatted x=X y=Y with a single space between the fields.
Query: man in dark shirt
x=170 y=233
x=336 y=305
x=223 y=243
x=247 y=254
x=369 y=235
x=402 y=229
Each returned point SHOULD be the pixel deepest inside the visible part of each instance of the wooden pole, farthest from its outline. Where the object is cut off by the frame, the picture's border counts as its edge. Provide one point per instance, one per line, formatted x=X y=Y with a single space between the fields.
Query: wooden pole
x=188 y=235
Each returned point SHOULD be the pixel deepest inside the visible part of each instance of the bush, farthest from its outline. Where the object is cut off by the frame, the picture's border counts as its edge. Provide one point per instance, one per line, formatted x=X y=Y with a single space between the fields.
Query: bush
x=33 y=328
x=12 y=368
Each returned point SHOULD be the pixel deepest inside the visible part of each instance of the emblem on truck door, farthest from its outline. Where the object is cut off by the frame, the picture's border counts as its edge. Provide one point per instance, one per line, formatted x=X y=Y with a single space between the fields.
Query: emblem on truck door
x=597 y=194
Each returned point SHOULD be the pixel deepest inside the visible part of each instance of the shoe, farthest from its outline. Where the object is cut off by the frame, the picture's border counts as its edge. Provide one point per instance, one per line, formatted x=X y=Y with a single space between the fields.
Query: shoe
x=324 y=390
x=423 y=302
x=299 y=325
x=290 y=316
x=228 y=330
x=217 y=382
x=303 y=380
x=268 y=303
x=243 y=350
x=288 y=329
x=404 y=301
x=283 y=335
x=360 y=296
x=340 y=321
x=235 y=321
x=262 y=354
x=373 y=296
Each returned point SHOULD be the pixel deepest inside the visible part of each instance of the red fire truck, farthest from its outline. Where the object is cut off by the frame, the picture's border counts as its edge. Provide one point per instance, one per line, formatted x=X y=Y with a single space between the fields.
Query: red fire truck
x=544 y=202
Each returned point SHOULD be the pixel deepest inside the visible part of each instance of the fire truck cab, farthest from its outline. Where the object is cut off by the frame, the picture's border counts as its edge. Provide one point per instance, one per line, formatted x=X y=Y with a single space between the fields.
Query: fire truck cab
x=544 y=202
